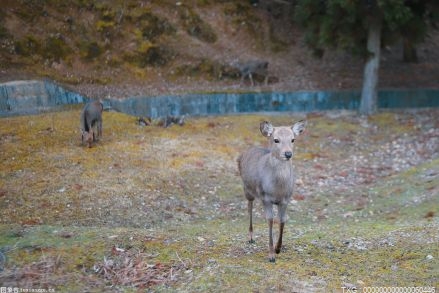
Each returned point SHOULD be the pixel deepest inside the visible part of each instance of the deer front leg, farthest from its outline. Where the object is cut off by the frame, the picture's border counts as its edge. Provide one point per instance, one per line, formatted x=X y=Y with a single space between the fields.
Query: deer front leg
x=279 y=241
x=271 y=257
x=282 y=220
x=250 y=228
x=268 y=208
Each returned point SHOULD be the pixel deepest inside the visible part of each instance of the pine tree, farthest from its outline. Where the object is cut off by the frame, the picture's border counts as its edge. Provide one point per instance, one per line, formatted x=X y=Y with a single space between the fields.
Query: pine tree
x=362 y=27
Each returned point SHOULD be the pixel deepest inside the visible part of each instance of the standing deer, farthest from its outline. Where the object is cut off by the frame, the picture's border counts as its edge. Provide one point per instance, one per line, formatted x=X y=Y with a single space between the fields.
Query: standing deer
x=91 y=117
x=250 y=68
x=268 y=174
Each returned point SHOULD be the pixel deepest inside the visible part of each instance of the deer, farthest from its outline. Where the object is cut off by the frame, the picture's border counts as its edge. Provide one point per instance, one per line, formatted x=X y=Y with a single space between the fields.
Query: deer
x=250 y=68
x=91 y=117
x=268 y=174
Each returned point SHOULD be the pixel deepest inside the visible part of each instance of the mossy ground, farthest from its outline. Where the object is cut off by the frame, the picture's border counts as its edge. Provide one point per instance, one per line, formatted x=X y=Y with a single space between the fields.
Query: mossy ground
x=163 y=207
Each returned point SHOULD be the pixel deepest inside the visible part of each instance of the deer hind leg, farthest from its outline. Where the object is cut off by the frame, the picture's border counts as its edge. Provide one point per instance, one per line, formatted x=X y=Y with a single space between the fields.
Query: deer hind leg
x=250 y=76
x=90 y=135
x=100 y=129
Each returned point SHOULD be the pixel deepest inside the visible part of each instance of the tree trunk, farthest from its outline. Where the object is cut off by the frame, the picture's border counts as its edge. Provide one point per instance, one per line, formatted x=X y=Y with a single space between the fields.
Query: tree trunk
x=369 y=92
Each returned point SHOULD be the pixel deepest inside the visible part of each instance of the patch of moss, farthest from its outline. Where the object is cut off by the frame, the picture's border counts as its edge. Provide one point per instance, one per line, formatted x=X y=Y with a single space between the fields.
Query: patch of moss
x=56 y=48
x=90 y=50
x=28 y=46
x=4 y=33
x=242 y=16
x=149 y=54
x=105 y=26
x=153 y=26
x=209 y=69
x=195 y=26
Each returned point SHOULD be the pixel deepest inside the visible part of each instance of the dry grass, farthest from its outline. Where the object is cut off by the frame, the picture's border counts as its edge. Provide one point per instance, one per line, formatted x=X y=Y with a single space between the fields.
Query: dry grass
x=156 y=208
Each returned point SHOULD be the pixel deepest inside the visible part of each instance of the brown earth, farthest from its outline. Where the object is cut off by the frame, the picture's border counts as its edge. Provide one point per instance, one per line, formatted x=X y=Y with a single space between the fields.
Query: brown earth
x=243 y=32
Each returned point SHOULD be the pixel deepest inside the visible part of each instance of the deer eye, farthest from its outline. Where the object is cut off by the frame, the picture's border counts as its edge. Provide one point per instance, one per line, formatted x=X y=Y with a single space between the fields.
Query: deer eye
x=293 y=140
x=276 y=140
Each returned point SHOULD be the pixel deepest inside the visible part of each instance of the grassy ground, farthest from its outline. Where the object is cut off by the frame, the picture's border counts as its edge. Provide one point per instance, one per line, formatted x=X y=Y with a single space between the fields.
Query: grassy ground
x=161 y=209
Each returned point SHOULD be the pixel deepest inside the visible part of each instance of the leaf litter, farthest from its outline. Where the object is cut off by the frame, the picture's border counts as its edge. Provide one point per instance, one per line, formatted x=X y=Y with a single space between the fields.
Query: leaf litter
x=367 y=193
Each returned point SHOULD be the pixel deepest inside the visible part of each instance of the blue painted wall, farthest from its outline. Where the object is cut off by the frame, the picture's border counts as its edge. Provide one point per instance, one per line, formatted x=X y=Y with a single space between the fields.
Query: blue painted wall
x=30 y=97
x=34 y=96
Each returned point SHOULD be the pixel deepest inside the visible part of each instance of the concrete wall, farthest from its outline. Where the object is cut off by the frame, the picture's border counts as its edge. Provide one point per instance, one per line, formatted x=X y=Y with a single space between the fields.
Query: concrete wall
x=30 y=97
x=34 y=96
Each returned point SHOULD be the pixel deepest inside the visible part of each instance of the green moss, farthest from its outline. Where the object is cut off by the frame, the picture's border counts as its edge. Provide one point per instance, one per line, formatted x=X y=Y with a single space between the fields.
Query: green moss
x=4 y=33
x=28 y=46
x=149 y=54
x=90 y=50
x=242 y=17
x=56 y=48
x=208 y=69
x=153 y=26
x=104 y=26
x=195 y=26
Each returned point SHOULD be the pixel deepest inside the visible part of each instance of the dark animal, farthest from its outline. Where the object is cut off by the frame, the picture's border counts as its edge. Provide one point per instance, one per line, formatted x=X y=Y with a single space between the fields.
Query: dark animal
x=170 y=120
x=250 y=68
x=91 y=117
x=144 y=121
x=268 y=174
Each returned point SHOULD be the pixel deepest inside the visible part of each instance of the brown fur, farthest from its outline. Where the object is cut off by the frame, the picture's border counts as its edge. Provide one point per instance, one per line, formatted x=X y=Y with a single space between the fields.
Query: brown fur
x=91 y=117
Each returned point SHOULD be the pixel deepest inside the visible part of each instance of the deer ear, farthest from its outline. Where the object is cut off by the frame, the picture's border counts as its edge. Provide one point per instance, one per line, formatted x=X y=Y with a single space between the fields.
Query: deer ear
x=299 y=127
x=266 y=128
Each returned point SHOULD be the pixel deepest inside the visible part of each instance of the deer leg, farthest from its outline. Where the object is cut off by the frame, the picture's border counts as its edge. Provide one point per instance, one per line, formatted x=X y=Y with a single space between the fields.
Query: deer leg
x=268 y=209
x=282 y=220
x=279 y=241
x=90 y=134
x=271 y=257
x=100 y=129
x=250 y=228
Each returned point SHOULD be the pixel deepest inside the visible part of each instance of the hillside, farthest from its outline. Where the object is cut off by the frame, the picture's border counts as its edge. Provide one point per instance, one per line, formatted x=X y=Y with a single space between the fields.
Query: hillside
x=124 y=48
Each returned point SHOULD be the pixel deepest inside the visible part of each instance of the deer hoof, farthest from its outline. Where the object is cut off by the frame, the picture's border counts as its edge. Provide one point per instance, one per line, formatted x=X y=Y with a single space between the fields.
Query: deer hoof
x=272 y=260
x=277 y=250
x=251 y=241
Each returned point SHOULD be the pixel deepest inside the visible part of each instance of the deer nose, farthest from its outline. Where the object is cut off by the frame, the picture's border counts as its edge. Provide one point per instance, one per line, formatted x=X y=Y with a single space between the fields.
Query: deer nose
x=288 y=155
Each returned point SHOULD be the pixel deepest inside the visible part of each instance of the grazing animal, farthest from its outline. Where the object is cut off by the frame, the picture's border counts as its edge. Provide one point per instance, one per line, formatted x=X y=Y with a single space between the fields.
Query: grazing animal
x=268 y=174
x=91 y=117
x=169 y=120
x=251 y=68
x=144 y=121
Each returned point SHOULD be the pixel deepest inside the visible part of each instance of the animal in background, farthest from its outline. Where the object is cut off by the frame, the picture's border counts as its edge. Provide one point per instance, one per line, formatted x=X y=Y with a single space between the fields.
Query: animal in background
x=250 y=68
x=268 y=174
x=91 y=118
